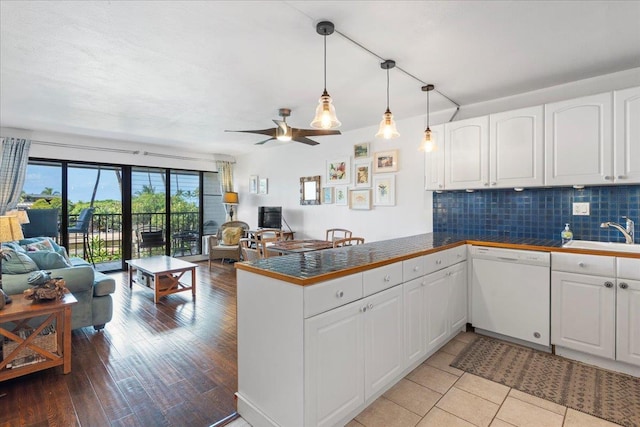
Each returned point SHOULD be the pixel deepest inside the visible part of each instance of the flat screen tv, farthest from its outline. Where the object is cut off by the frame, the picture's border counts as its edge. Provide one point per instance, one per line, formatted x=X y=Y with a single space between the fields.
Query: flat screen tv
x=270 y=217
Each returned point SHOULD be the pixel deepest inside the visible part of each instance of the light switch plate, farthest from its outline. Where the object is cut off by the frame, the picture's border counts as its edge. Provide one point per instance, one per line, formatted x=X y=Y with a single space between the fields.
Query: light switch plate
x=581 y=208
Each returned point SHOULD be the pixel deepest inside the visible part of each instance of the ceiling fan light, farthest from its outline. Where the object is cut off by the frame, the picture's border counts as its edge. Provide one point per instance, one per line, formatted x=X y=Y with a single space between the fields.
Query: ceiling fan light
x=427 y=141
x=387 y=129
x=283 y=136
x=325 y=117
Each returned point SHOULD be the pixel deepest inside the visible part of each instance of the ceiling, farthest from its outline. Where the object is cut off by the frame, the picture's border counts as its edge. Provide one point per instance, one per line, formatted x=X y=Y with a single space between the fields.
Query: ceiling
x=180 y=73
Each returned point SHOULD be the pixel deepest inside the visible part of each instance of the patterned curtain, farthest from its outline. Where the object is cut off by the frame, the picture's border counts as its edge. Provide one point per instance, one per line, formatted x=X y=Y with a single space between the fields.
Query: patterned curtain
x=225 y=169
x=13 y=168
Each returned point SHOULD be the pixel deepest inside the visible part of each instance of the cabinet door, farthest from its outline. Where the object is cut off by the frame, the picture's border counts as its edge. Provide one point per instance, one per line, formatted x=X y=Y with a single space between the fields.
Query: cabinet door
x=437 y=297
x=627 y=135
x=516 y=147
x=583 y=313
x=434 y=161
x=458 y=298
x=383 y=339
x=467 y=154
x=579 y=141
x=628 y=321
x=334 y=369
x=414 y=320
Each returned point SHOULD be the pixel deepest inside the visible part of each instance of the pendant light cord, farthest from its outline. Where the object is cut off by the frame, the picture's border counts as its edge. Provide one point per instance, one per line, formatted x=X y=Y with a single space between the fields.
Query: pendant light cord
x=387 y=89
x=428 y=109
x=325 y=62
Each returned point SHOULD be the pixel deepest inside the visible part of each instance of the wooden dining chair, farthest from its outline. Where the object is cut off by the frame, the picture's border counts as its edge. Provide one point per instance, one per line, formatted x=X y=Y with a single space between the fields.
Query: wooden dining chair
x=264 y=238
x=249 y=249
x=349 y=241
x=334 y=234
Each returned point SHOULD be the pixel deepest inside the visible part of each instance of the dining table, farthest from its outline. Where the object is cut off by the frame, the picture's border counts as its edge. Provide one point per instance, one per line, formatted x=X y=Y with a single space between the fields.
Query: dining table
x=297 y=246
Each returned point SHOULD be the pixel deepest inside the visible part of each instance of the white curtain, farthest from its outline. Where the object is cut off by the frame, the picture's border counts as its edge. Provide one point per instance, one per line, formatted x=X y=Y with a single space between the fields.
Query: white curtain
x=225 y=169
x=13 y=169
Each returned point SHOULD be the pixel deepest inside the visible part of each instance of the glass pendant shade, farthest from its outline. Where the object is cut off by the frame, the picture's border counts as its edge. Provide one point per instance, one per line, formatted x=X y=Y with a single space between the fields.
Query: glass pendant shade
x=325 y=117
x=427 y=142
x=387 y=129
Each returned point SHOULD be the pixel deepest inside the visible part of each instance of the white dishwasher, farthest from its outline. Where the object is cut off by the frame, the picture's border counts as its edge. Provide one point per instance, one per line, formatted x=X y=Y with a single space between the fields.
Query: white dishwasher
x=511 y=292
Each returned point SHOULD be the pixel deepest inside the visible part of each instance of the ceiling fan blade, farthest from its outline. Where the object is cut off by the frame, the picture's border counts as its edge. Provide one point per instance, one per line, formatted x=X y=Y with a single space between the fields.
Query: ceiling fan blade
x=305 y=140
x=315 y=132
x=262 y=142
x=269 y=132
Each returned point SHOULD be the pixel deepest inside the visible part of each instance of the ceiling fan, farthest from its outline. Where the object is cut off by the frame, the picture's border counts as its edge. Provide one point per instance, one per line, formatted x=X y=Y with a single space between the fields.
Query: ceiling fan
x=284 y=132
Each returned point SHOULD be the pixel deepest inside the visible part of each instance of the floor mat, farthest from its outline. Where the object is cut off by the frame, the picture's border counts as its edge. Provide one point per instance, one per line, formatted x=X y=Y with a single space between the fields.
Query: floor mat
x=609 y=395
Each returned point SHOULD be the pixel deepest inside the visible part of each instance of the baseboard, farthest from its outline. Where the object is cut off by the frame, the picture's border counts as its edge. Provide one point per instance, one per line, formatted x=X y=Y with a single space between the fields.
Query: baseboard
x=601 y=362
x=253 y=415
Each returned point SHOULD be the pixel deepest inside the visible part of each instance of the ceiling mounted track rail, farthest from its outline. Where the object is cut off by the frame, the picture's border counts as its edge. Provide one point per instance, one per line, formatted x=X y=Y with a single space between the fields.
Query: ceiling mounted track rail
x=402 y=70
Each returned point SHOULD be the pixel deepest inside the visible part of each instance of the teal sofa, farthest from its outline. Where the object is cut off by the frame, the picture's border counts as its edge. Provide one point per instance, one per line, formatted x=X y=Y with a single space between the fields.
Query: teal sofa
x=91 y=288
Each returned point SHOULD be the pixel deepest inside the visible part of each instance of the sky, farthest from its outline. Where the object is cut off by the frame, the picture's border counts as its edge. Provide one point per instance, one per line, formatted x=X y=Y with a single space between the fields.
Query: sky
x=82 y=180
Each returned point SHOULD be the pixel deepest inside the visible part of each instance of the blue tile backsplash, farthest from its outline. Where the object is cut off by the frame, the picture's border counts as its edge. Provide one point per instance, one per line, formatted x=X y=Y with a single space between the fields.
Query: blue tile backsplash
x=537 y=213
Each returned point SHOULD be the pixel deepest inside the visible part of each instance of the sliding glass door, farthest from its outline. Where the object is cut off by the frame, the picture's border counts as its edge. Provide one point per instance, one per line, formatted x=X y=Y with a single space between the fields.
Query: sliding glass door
x=148 y=211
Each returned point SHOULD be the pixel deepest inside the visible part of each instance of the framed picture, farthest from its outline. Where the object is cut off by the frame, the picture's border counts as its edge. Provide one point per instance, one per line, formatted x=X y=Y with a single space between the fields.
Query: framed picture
x=327 y=195
x=360 y=199
x=253 y=184
x=263 y=186
x=341 y=193
x=338 y=171
x=310 y=190
x=384 y=190
x=385 y=161
x=361 y=151
x=362 y=173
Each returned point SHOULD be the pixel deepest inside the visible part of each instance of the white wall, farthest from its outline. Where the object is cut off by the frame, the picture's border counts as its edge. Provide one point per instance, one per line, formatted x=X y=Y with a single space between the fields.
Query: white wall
x=284 y=164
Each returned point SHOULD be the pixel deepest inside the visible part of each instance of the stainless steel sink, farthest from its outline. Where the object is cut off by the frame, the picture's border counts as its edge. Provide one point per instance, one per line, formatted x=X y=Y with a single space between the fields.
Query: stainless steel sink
x=603 y=246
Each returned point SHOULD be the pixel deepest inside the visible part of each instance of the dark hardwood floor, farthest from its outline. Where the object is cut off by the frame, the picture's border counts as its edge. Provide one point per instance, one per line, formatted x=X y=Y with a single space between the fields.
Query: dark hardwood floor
x=170 y=364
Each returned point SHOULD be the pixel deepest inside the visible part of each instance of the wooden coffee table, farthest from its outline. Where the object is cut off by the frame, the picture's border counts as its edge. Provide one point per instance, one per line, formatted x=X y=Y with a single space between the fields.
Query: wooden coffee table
x=57 y=352
x=165 y=272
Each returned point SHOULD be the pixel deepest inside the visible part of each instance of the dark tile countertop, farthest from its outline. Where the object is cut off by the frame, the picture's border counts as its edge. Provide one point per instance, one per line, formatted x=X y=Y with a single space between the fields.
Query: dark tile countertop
x=317 y=266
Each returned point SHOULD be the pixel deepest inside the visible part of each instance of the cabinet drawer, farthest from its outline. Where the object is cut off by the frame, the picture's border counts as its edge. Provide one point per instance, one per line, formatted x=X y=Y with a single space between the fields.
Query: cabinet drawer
x=584 y=264
x=436 y=261
x=457 y=254
x=331 y=294
x=412 y=268
x=381 y=278
x=628 y=268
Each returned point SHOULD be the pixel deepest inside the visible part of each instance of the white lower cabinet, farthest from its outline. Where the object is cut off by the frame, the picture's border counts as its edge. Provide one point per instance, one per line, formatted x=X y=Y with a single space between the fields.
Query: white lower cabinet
x=351 y=353
x=583 y=313
x=415 y=343
x=628 y=311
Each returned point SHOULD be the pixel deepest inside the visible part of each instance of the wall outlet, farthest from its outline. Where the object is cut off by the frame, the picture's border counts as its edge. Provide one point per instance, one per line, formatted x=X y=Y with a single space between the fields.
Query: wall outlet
x=581 y=208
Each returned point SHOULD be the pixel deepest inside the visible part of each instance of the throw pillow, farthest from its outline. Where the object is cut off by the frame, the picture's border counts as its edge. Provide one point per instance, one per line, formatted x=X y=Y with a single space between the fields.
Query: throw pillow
x=14 y=245
x=231 y=235
x=47 y=260
x=17 y=263
x=35 y=240
x=42 y=245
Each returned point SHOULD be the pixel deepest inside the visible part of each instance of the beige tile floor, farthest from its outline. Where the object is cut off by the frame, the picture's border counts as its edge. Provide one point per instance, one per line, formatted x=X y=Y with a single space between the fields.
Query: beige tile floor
x=437 y=395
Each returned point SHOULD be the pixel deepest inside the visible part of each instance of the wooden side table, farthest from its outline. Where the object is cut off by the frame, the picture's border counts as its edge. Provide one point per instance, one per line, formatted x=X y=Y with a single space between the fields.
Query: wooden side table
x=19 y=312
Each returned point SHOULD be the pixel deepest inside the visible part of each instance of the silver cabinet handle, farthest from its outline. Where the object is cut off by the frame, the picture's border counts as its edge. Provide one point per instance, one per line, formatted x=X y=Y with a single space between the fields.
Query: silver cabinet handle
x=416 y=268
x=364 y=309
x=438 y=261
x=370 y=306
x=608 y=285
x=439 y=185
x=494 y=183
x=423 y=283
x=623 y=285
x=339 y=294
x=581 y=264
x=622 y=177
x=486 y=184
x=608 y=178
x=387 y=278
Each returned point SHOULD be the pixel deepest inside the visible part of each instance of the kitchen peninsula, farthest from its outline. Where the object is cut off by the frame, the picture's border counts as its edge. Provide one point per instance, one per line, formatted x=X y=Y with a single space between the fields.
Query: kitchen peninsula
x=323 y=334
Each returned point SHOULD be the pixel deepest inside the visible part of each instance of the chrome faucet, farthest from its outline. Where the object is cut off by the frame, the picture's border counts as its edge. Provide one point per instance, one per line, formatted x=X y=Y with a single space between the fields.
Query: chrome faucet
x=626 y=232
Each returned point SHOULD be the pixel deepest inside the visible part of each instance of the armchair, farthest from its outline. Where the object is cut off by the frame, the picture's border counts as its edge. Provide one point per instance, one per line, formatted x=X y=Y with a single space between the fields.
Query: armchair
x=225 y=244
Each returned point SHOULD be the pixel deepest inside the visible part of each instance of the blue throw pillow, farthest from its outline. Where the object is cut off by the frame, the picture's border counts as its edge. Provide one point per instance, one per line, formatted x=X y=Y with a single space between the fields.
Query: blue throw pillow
x=14 y=245
x=17 y=263
x=47 y=260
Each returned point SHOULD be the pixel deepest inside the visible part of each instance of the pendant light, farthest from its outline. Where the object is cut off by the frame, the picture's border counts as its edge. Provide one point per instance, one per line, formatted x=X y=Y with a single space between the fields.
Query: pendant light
x=427 y=142
x=387 y=129
x=325 y=117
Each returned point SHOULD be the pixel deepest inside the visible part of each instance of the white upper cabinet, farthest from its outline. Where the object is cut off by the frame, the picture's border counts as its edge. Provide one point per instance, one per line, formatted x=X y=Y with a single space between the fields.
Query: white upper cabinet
x=434 y=161
x=516 y=148
x=467 y=154
x=579 y=141
x=627 y=135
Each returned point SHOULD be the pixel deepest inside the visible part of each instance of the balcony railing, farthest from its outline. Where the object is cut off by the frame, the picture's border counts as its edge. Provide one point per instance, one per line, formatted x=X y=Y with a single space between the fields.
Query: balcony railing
x=105 y=235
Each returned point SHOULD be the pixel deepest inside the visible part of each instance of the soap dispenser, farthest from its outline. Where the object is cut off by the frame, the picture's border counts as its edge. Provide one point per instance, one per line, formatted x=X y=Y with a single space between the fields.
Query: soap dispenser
x=567 y=234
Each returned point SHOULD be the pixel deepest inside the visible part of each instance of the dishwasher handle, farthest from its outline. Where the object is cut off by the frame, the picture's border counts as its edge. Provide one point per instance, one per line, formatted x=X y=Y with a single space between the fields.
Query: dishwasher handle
x=504 y=258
